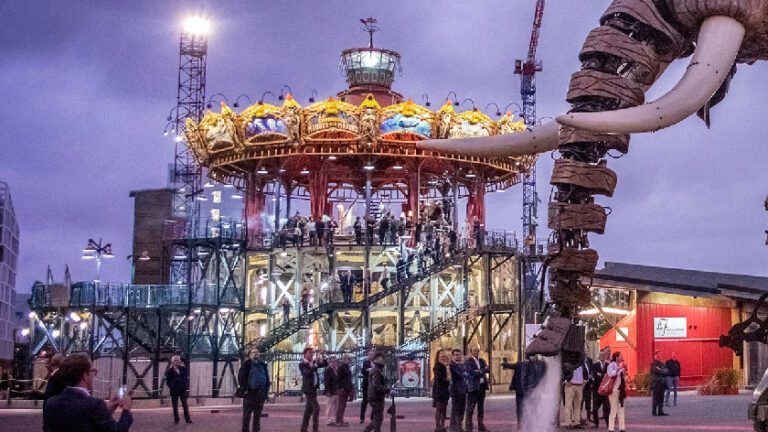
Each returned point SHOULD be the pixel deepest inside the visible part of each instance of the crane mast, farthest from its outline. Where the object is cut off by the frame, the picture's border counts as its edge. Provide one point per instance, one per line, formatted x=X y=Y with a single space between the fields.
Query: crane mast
x=527 y=70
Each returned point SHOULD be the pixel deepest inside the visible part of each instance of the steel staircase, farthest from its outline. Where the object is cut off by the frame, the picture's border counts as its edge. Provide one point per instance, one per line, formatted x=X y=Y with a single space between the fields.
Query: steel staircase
x=462 y=314
x=293 y=325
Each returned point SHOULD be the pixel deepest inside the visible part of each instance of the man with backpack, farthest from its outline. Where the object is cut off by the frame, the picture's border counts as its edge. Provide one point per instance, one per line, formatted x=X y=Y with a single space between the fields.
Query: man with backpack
x=253 y=381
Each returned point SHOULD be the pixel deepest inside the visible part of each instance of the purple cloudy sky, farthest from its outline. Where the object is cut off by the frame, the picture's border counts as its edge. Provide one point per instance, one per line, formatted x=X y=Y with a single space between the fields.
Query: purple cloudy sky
x=87 y=87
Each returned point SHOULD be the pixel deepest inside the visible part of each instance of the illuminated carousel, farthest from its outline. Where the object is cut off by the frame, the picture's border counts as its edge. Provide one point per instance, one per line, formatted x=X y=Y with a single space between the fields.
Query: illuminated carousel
x=326 y=151
x=354 y=154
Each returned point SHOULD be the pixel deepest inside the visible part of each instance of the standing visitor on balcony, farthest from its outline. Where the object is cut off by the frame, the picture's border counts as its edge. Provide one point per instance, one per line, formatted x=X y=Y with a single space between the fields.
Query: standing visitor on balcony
x=417 y=232
x=253 y=381
x=370 y=227
x=302 y=230
x=358 y=228
x=477 y=232
x=309 y=384
x=331 y=228
x=429 y=231
x=394 y=228
x=320 y=229
x=383 y=229
x=347 y=282
x=312 y=232
x=440 y=388
x=673 y=380
x=177 y=380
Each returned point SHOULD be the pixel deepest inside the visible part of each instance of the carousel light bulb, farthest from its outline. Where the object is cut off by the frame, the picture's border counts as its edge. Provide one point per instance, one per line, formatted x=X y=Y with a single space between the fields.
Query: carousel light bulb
x=197 y=25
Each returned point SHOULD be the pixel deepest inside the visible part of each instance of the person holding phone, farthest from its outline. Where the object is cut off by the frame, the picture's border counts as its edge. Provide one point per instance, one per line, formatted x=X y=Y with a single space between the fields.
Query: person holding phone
x=74 y=409
x=177 y=380
x=310 y=382
x=617 y=369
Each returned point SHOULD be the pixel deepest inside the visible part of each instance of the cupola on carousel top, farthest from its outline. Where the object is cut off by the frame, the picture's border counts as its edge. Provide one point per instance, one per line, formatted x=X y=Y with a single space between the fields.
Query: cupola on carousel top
x=327 y=150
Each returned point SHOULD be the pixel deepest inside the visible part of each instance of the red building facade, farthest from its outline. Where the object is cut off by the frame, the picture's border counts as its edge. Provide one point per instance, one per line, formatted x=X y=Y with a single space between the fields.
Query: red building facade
x=670 y=323
x=678 y=311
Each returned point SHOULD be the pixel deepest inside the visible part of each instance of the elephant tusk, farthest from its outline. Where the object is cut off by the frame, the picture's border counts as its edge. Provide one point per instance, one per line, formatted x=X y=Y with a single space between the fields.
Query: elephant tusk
x=539 y=140
x=719 y=42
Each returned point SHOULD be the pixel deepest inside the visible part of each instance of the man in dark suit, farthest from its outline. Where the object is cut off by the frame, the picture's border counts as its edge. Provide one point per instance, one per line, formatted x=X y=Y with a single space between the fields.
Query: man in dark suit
x=518 y=386
x=377 y=393
x=345 y=390
x=458 y=390
x=309 y=384
x=659 y=373
x=367 y=365
x=74 y=410
x=331 y=384
x=599 y=370
x=477 y=384
x=347 y=282
x=254 y=383
x=177 y=380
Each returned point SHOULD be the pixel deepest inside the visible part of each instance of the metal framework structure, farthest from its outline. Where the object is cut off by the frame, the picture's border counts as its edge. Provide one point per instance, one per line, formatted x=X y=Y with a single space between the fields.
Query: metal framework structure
x=190 y=104
x=527 y=70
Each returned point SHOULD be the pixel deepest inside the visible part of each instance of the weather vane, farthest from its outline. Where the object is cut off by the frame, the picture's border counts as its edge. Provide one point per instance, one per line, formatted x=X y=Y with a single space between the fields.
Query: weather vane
x=370 y=27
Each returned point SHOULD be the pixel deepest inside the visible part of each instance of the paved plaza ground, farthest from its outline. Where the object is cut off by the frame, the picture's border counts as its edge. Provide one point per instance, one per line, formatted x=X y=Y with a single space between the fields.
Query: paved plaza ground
x=693 y=413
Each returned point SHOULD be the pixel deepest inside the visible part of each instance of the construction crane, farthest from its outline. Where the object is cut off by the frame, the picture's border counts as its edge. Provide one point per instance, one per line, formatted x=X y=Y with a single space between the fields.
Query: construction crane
x=527 y=70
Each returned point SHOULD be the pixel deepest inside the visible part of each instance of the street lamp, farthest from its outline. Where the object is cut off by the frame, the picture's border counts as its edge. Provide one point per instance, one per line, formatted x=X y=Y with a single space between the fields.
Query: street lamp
x=97 y=250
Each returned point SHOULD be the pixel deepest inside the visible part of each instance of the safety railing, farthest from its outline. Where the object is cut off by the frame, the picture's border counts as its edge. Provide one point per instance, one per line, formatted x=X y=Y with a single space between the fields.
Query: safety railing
x=103 y=294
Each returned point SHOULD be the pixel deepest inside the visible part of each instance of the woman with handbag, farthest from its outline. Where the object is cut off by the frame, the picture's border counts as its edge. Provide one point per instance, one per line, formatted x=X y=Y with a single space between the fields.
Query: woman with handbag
x=618 y=372
x=440 y=388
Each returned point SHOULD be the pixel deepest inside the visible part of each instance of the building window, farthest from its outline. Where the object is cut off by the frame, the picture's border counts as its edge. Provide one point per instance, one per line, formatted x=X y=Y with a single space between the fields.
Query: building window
x=217 y=197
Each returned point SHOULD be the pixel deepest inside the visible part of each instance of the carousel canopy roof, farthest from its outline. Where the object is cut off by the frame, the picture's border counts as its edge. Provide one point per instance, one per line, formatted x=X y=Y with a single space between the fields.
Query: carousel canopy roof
x=264 y=139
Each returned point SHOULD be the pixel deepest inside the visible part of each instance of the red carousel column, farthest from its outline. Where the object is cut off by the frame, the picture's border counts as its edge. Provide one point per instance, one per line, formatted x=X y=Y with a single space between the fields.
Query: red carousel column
x=254 y=207
x=476 y=202
x=318 y=194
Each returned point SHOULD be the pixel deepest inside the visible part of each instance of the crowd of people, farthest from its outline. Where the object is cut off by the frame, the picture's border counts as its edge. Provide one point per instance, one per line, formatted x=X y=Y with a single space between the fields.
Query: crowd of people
x=591 y=391
x=597 y=390
x=464 y=382
x=431 y=231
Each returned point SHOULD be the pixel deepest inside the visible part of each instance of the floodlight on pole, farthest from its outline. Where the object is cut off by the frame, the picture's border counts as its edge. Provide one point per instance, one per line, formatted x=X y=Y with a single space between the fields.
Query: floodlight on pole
x=196 y=25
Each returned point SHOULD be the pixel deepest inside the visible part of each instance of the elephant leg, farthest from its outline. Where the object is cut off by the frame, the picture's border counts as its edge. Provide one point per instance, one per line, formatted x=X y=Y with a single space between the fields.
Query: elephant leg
x=620 y=60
